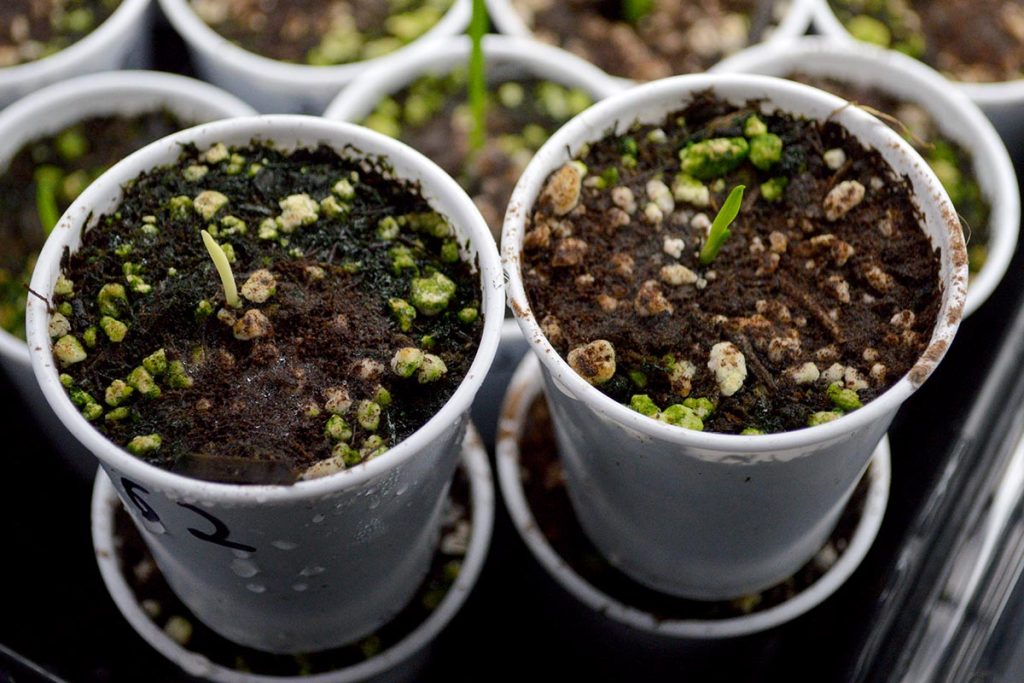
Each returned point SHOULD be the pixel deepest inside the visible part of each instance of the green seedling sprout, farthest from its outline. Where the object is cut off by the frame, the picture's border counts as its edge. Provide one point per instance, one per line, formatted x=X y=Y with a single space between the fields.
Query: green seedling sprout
x=47 y=181
x=720 y=227
x=227 y=278
x=477 y=84
x=635 y=10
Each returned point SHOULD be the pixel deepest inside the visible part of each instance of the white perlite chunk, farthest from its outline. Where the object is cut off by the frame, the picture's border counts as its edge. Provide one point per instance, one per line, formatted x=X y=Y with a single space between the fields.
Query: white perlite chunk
x=252 y=325
x=297 y=210
x=903 y=320
x=843 y=198
x=834 y=158
x=729 y=366
x=852 y=379
x=260 y=286
x=681 y=377
x=563 y=189
x=208 y=203
x=834 y=373
x=677 y=274
x=59 y=326
x=805 y=374
x=674 y=246
x=623 y=198
x=594 y=362
x=653 y=214
x=658 y=192
x=337 y=400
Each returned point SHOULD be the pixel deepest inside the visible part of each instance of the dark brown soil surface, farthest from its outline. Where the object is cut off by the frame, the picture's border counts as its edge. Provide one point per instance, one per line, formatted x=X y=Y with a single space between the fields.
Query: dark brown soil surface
x=431 y=116
x=74 y=157
x=674 y=37
x=978 y=41
x=812 y=289
x=951 y=162
x=33 y=29
x=544 y=486
x=263 y=391
x=321 y=32
x=169 y=613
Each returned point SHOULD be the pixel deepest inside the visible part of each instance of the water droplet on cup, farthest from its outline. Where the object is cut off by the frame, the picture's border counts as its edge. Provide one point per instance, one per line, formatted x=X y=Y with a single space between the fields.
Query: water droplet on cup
x=257 y=587
x=401 y=489
x=241 y=554
x=375 y=502
x=318 y=519
x=312 y=570
x=285 y=545
x=244 y=569
x=299 y=587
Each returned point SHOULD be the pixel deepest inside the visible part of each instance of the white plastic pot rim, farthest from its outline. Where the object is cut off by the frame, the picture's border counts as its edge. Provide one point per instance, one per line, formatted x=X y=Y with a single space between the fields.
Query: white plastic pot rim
x=359 y=98
x=629 y=105
x=474 y=460
x=93 y=95
x=954 y=113
x=310 y=130
x=523 y=390
x=202 y=37
x=126 y=14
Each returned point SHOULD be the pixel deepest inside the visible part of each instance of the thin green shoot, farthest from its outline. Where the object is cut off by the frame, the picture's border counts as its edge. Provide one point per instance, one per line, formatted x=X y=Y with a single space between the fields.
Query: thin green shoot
x=720 y=232
x=227 y=278
x=47 y=179
x=477 y=84
x=635 y=10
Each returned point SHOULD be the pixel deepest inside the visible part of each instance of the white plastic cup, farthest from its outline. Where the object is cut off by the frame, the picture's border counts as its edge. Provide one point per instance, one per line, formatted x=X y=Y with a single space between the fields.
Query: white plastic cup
x=273 y=86
x=50 y=110
x=320 y=563
x=508 y=21
x=626 y=621
x=955 y=115
x=704 y=515
x=111 y=45
x=525 y=56
x=403 y=661
x=1002 y=102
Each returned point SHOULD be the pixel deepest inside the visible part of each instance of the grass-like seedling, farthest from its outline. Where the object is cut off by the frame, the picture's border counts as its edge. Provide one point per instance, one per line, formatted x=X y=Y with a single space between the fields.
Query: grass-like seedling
x=720 y=232
x=477 y=83
x=48 y=180
x=635 y=10
x=227 y=278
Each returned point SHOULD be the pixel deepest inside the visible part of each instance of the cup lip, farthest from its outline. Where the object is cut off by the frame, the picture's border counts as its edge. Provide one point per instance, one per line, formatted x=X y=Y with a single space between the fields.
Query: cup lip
x=626 y=105
x=997 y=93
x=311 y=129
x=525 y=387
x=954 y=113
x=203 y=38
x=96 y=41
x=796 y=22
x=360 y=96
x=96 y=95
x=481 y=482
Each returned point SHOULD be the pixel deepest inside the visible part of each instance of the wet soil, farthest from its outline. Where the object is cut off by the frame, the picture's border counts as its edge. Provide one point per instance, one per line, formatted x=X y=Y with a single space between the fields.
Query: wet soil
x=321 y=32
x=828 y=281
x=672 y=37
x=65 y=163
x=432 y=116
x=301 y=373
x=33 y=29
x=951 y=162
x=980 y=41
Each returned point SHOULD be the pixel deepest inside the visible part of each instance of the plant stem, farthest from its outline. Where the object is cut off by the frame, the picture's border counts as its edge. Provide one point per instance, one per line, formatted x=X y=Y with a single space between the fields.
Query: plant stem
x=477 y=85
x=227 y=278
x=47 y=179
